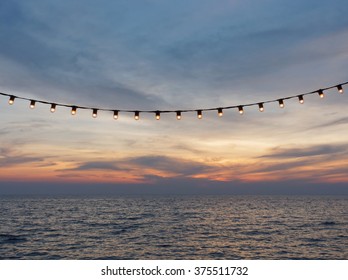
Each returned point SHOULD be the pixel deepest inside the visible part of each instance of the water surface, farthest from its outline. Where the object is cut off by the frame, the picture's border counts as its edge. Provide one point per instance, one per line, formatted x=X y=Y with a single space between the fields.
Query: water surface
x=174 y=227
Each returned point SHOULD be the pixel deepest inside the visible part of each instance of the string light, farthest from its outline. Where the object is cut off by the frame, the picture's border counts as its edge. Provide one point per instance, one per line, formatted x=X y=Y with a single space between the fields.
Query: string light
x=281 y=103
x=300 y=99
x=53 y=108
x=261 y=109
x=321 y=93
x=158 y=115
x=32 y=104
x=73 y=110
x=11 y=100
x=199 y=112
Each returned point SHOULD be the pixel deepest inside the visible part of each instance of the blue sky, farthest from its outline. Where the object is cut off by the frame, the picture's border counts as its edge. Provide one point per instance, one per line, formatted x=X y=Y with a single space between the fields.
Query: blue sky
x=169 y=55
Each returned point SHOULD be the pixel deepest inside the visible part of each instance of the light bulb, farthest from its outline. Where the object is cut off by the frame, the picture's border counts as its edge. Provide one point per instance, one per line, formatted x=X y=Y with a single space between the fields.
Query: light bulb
x=261 y=107
x=95 y=112
x=178 y=115
x=220 y=113
x=73 y=110
x=300 y=99
x=321 y=93
x=115 y=115
x=11 y=100
x=53 y=108
x=281 y=103
x=199 y=114
x=32 y=104
x=136 y=115
x=340 y=88
x=158 y=115
x=241 y=111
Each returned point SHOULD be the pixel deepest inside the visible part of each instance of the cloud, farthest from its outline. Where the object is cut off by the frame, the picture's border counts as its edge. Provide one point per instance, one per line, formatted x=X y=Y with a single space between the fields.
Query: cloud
x=338 y=121
x=96 y=165
x=10 y=158
x=136 y=56
x=169 y=164
x=142 y=166
x=174 y=54
x=317 y=150
x=270 y=167
x=78 y=70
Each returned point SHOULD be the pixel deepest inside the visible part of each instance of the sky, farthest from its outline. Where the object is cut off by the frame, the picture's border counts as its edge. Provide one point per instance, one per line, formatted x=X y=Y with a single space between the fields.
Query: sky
x=173 y=55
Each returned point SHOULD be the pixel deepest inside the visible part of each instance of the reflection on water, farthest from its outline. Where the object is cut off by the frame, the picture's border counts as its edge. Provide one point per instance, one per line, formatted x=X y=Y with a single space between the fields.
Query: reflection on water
x=174 y=227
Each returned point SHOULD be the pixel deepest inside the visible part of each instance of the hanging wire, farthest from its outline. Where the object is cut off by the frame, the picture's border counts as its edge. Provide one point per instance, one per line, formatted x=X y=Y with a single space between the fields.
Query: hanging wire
x=178 y=112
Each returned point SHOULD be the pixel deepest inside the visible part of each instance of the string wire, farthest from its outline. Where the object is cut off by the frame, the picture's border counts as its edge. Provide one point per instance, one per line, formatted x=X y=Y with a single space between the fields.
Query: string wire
x=157 y=112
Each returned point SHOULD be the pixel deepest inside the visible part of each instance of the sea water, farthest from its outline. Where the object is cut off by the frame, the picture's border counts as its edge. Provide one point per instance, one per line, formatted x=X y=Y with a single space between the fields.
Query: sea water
x=174 y=227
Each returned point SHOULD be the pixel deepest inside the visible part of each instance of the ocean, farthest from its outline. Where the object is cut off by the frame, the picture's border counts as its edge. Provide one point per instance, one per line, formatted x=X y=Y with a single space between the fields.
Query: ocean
x=174 y=227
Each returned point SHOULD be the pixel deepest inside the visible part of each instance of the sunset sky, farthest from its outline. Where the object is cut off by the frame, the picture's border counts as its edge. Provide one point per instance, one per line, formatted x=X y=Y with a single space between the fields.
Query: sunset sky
x=173 y=55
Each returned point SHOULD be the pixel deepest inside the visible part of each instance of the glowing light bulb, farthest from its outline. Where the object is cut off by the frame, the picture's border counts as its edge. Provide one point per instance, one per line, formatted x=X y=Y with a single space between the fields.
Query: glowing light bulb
x=220 y=113
x=199 y=114
x=261 y=107
x=321 y=93
x=11 y=100
x=281 y=103
x=53 y=108
x=95 y=112
x=136 y=115
x=32 y=104
x=340 y=88
x=115 y=115
x=158 y=115
x=73 y=110
x=178 y=115
x=300 y=99
x=240 y=109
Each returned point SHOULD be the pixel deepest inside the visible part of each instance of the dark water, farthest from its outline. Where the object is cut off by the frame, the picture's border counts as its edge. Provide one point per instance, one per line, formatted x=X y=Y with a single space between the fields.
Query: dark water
x=177 y=227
